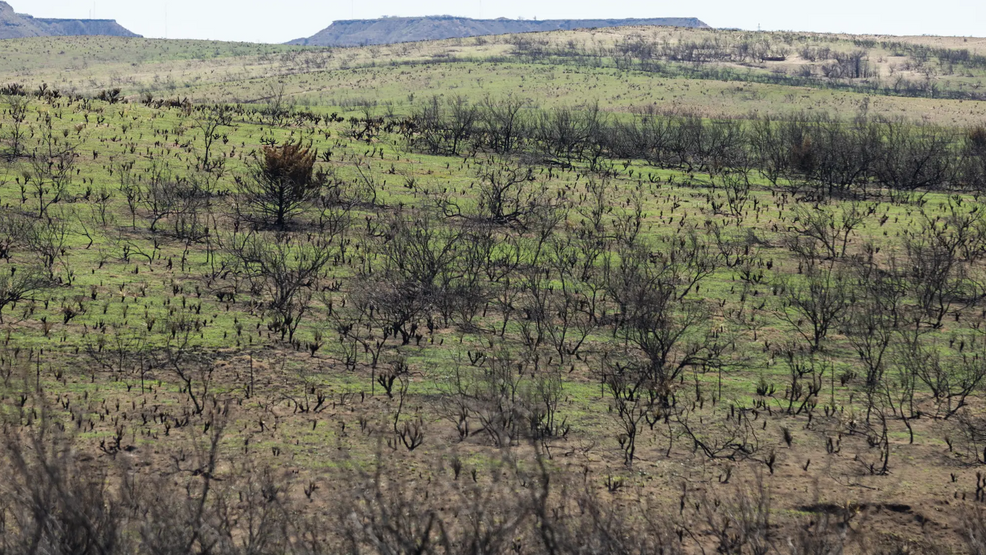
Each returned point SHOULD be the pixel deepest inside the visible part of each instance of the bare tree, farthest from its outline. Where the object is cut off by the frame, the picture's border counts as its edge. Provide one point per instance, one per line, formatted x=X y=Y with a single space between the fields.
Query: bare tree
x=58 y=499
x=570 y=133
x=941 y=255
x=52 y=165
x=489 y=391
x=508 y=195
x=176 y=201
x=768 y=147
x=655 y=314
x=741 y=524
x=180 y=357
x=428 y=266
x=637 y=400
x=47 y=240
x=502 y=123
x=18 y=285
x=285 y=270
x=814 y=303
x=829 y=228
x=16 y=108
x=870 y=324
x=951 y=379
x=277 y=106
x=973 y=163
x=56 y=503
x=558 y=306
x=443 y=128
x=209 y=121
x=915 y=157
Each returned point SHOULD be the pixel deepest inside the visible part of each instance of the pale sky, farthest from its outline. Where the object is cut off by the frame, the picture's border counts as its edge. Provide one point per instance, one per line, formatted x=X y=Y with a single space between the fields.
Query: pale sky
x=282 y=20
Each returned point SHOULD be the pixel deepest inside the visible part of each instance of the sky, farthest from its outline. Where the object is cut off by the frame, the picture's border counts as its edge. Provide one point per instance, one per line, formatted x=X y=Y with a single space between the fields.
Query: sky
x=276 y=21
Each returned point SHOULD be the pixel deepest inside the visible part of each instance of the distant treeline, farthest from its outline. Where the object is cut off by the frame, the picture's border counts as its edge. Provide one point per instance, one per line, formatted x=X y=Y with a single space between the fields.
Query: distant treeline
x=830 y=68
x=921 y=52
x=827 y=154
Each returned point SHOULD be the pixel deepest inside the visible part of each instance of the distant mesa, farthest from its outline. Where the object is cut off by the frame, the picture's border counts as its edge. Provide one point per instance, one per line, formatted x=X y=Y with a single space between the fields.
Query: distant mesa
x=16 y=25
x=390 y=30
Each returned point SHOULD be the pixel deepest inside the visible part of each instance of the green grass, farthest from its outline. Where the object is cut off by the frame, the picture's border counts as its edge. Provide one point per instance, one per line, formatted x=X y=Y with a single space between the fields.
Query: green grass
x=138 y=294
x=393 y=76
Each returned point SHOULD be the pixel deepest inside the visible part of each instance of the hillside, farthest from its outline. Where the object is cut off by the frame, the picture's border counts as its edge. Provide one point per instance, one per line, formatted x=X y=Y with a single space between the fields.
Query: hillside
x=615 y=291
x=14 y=25
x=391 y=30
x=712 y=72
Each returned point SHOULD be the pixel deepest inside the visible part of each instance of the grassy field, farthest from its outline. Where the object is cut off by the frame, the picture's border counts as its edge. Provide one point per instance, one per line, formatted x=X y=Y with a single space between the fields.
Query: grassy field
x=163 y=304
x=731 y=78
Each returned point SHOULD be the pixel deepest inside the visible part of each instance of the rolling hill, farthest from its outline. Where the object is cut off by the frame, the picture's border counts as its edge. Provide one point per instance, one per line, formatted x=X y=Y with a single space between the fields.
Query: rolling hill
x=625 y=290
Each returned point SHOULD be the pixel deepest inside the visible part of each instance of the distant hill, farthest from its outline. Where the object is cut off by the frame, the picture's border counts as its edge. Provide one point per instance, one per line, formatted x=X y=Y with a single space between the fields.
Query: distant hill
x=390 y=30
x=14 y=25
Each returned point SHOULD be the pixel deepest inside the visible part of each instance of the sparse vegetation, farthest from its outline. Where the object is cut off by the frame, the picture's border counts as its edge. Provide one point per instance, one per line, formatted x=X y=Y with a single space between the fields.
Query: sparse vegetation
x=247 y=318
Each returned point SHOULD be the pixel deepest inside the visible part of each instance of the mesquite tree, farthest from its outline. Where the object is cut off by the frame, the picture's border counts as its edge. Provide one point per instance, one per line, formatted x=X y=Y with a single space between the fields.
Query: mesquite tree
x=282 y=182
